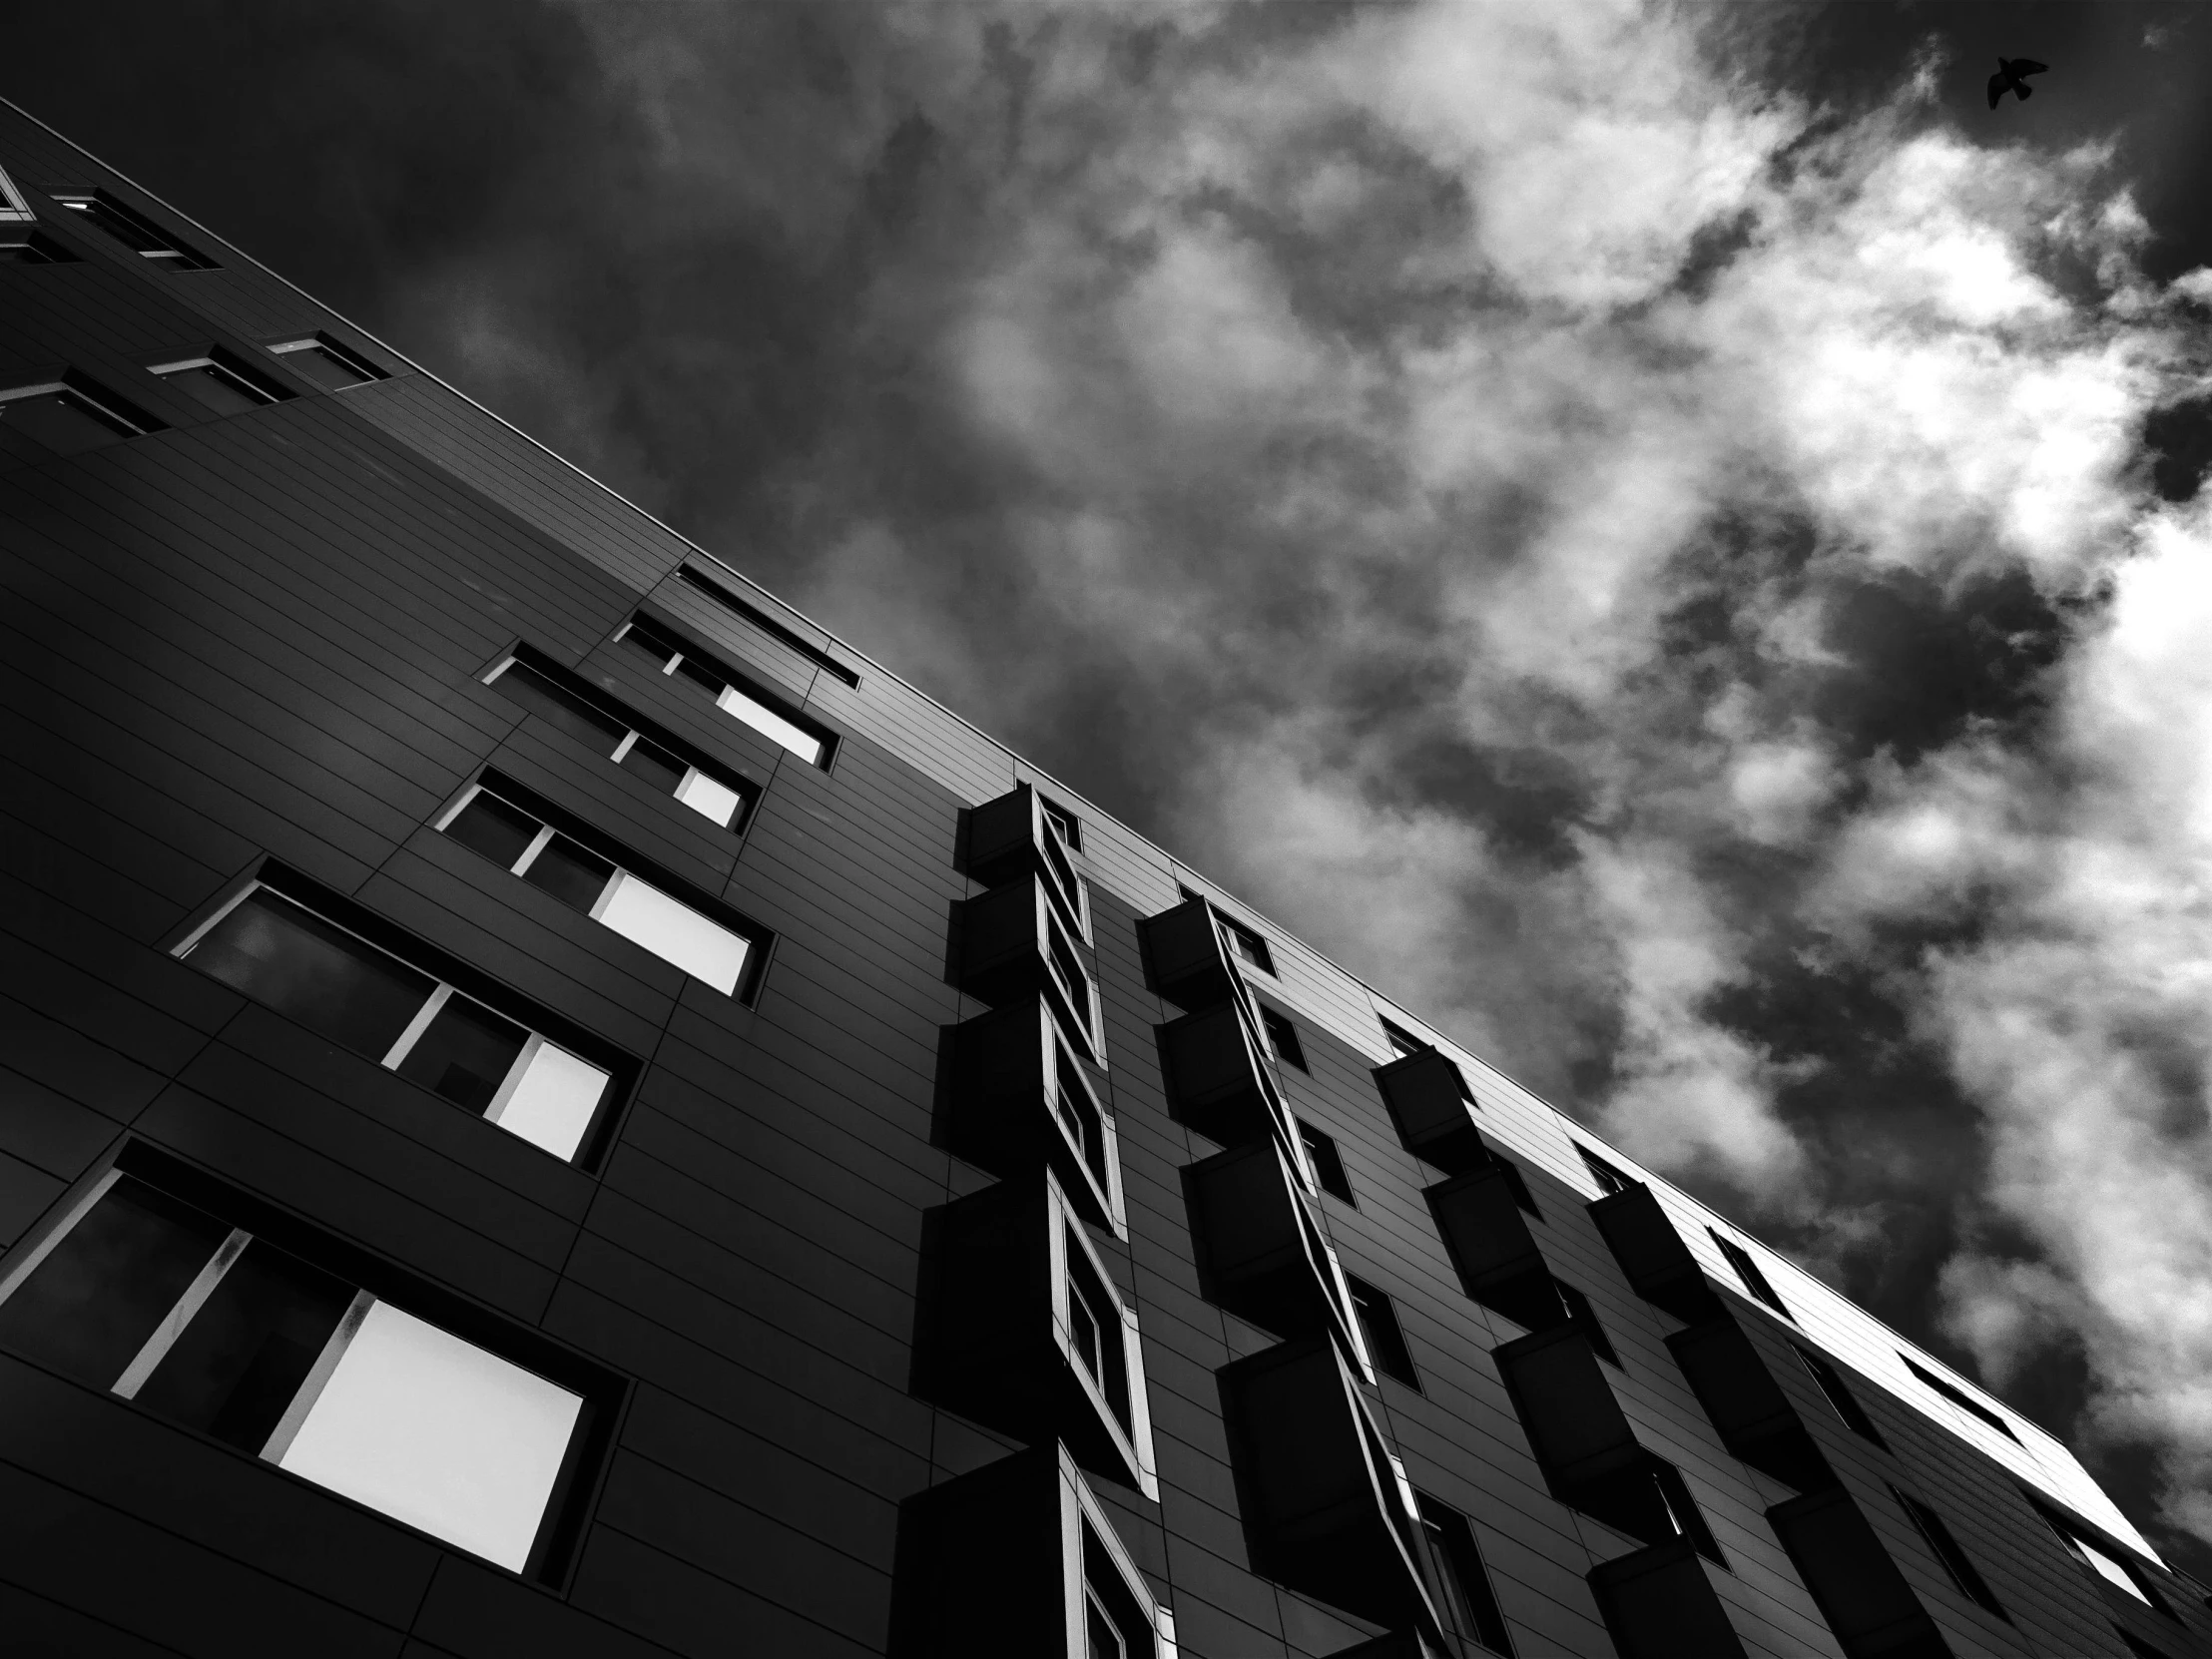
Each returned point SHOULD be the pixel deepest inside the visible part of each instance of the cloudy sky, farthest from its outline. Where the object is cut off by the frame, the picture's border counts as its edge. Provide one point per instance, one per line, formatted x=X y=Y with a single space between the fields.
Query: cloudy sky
x=1667 y=538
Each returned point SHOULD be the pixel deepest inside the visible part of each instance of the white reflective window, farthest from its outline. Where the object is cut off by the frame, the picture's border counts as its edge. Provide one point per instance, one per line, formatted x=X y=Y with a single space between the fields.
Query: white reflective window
x=702 y=794
x=2108 y=1569
x=769 y=724
x=434 y=1432
x=673 y=932
x=550 y=1098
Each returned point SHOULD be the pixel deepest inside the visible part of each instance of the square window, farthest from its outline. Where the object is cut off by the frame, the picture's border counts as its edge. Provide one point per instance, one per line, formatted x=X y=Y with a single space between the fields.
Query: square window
x=1283 y=1037
x=1247 y=945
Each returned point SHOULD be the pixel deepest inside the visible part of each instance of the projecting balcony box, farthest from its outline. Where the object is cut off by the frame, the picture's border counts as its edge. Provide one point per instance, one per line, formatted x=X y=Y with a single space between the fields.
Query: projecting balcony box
x=1327 y=1509
x=1651 y=1253
x=1428 y=1102
x=1188 y=962
x=1019 y=1558
x=1755 y=1417
x=1859 y=1591
x=1217 y=1081
x=1020 y=1104
x=1660 y=1603
x=1487 y=1236
x=1012 y=836
x=1024 y=1332
x=1013 y=945
x=1586 y=1447
x=1262 y=1255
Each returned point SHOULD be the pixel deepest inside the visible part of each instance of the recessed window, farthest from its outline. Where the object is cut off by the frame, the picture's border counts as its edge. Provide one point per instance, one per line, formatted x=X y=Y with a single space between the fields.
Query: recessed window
x=1080 y=1117
x=72 y=414
x=1385 y=1340
x=1327 y=1162
x=769 y=625
x=1247 y=945
x=1468 y=1603
x=1959 y=1398
x=1115 y=1623
x=135 y=230
x=1840 y=1399
x=1095 y=1331
x=1610 y=1179
x=327 y=364
x=1402 y=1042
x=1584 y=1317
x=1746 y=1270
x=1069 y=825
x=220 y=382
x=1283 y=1037
x=595 y=886
x=600 y=723
x=735 y=696
x=361 y=996
x=22 y=246
x=211 y=1325
x=1955 y=1561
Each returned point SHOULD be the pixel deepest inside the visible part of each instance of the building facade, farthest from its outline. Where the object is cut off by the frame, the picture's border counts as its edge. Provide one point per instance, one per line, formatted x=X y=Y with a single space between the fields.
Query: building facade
x=552 y=1106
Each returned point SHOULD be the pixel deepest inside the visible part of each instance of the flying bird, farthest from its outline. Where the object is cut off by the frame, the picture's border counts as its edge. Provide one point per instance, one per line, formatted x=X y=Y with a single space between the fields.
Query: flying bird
x=2011 y=75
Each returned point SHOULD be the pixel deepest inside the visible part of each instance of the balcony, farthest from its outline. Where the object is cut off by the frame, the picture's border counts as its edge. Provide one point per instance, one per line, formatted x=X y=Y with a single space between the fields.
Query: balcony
x=1327 y=1509
x=1013 y=945
x=1261 y=1253
x=1756 y=1419
x=1216 y=1082
x=1659 y=1603
x=1486 y=1234
x=1010 y=838
x=1651 y=1253
x=1857 y=1587
x=1184 y=955
x=1020 y=1104
x=1429 y=1101
x=1023 y=1331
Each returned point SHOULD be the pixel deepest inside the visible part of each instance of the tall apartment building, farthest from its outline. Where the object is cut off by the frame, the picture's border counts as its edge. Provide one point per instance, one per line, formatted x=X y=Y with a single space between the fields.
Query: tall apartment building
x=553 y=1107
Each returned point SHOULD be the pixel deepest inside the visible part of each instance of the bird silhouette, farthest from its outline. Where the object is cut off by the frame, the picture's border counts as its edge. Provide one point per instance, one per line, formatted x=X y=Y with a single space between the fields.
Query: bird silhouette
x=2012 y=76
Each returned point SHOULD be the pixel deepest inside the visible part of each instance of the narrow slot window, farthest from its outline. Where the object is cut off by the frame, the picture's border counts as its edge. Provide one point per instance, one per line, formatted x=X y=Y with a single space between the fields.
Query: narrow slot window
x=1748 y=1270
x=1610 y=1179
x=217 y=385
x=273 y=1355
x=1283 y=1038
x=1385 y=1340
x=1471 y=1606
x=21 y=247
x=1095 y=1330
x=328 y=364
x=1954 y=1559
x=135 y=230
x=769 y=625
x=70 y=417
x=1584 y=1317
x=1840 y=1397
x=1959 y=1398
x=752 y=712
x=559 y=707
x=1326 y=1161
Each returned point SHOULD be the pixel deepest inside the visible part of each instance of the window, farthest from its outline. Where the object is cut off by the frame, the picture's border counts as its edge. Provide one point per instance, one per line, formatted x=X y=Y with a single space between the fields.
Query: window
x=135 y=230
x=327 y=364
x=1748 y=1271
x=1469 y=1606
x=1956 y=1562
x=769 y=625
x=1839 y=1396
x=2105 y=1562
x=13 y=209
x=1385 y=1341
x=219 y=382
x=197 y=1316
x=20 y=246
x=1080 y=1117
x=1328 y=1164
x=1609 y=1180
x=565 y=700
x=1115 y=1623
x=586 y=881
x=1959 y=1398
x=1095 y=1331
x=361 y=996
x=72 y=414
x=1246 y=944
x=1283 y=1037
x=737 y=697
x=1069 y=825
x=1402 y=1042
x=1584 y=1317
x=1515 y=1183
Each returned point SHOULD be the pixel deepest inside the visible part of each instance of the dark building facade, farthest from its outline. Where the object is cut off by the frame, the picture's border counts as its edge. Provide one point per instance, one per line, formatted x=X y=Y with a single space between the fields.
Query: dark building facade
x=553 y=1107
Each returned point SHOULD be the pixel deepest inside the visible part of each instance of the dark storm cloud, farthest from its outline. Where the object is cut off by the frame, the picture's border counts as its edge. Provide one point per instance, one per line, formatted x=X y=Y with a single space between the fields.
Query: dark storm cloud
x=1632 y=528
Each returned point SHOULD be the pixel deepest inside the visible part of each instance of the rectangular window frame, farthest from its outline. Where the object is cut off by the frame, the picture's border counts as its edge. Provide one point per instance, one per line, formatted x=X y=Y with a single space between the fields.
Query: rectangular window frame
x=1327 y=1163
x=637 y=727
x=1610 y=1178
x=818 y=655
x=1383 y=1334
x=337 y=351
x=108 y=406
x=135 y=230
x=1282 y=1039
x=450 y=978
x=1066 y=822
x=256 y=385
x=1071 y=1254
x=1455 y=1557
x=574 y=1488
x=679 y=655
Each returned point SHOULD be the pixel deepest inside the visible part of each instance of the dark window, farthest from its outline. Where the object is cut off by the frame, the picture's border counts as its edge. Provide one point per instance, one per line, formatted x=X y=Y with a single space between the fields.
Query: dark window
x=327 y=364
x=581 y=718
x=1748 y=1271
x=1956 y=1562
x=1839 y=1396
x=1683 y=1514
x=1609 y=1180
x=1246 y=944
x=1402 y=1042
x=20 y=247
x=490 y=825
x=220 y=383
x=72 y=415
x=362 y=997
x=136 y=231
x=158 y=1298
x=1379 y=1324
x=1095 y=1330
x=1069 y=825
x=1959 y=1398
x=1469 y=1606
x=576 y=876
x=1114 y=1621
x=769 y=625
x=1584 y=1317
x=1283 y=1038
x=1080 y=1115
x=647 y=760
x=1515 y=1183
x=735 y=695
x=1329 y=1164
